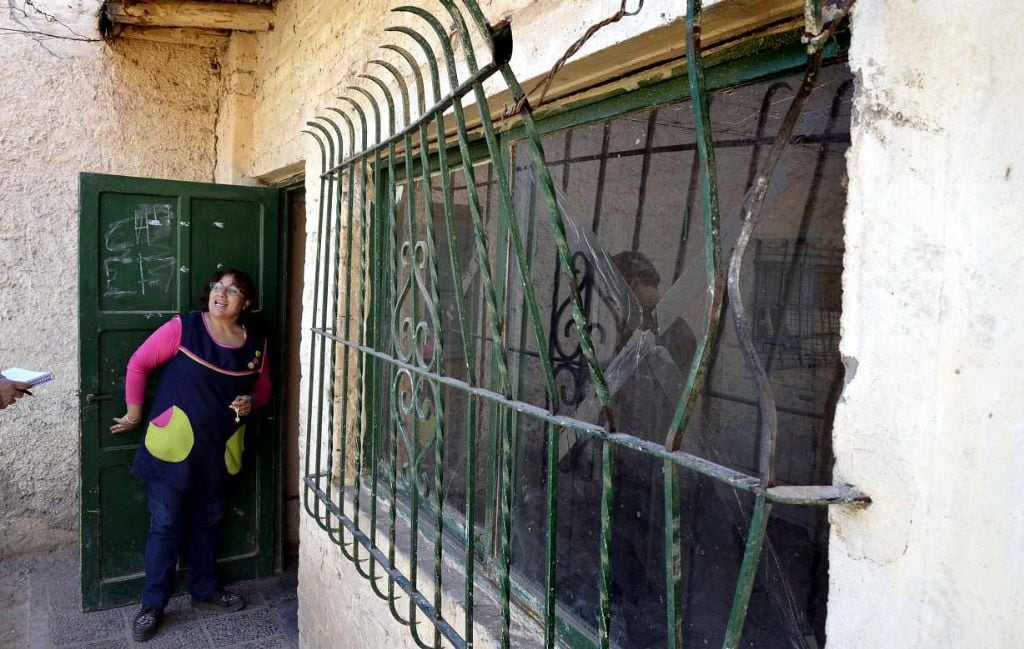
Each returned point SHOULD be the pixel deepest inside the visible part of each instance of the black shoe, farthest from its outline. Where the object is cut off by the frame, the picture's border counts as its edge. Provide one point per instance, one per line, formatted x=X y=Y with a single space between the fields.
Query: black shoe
x=146 y=623
x=223 y=600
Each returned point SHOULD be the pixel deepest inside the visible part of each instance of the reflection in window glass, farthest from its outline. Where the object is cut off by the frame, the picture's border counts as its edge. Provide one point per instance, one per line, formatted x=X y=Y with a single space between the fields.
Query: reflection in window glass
x=630 y=195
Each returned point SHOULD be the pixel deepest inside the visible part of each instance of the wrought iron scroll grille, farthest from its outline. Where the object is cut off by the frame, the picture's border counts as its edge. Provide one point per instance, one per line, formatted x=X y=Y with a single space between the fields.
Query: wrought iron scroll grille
x=396 y=344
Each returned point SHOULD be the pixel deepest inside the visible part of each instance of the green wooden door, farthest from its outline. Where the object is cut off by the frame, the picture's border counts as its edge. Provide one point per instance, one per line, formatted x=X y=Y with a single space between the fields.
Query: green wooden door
x=146 y=248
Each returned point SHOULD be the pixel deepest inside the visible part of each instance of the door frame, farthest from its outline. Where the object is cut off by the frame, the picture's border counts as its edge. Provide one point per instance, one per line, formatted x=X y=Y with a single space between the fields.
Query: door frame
x=280 y=369
x=97 y=592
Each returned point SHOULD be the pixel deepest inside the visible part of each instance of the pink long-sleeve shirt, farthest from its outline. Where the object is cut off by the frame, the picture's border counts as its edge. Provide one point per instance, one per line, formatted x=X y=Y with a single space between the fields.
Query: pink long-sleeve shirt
x=160 y=347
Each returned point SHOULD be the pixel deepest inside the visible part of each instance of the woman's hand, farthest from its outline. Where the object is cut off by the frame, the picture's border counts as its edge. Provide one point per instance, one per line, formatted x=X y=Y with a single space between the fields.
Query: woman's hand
x=129 y=420
x=125 y=424
x=242 y=405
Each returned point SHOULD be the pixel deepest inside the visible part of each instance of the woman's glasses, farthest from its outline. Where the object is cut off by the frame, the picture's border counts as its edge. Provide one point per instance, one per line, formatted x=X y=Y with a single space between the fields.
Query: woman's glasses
x=230 y=290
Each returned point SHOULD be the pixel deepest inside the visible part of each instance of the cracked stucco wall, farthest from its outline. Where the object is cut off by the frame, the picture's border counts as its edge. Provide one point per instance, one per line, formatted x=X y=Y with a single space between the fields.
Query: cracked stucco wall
x=234 y=137
x=931 y=424
x=66 y=107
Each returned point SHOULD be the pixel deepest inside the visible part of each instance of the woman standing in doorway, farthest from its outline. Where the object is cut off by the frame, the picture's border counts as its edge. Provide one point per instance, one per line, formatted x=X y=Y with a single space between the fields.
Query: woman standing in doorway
x=215 y=374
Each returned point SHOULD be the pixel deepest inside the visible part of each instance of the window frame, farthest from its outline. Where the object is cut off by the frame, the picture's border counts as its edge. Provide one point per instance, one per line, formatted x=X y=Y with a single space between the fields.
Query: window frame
x=751 y=61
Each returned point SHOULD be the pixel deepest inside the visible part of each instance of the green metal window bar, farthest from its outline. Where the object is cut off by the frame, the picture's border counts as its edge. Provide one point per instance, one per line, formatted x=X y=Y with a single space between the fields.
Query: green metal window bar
x=379 y=352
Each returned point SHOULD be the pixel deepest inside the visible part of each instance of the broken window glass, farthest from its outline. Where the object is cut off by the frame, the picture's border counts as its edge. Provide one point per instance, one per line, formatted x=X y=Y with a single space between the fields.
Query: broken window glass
x=630 y=198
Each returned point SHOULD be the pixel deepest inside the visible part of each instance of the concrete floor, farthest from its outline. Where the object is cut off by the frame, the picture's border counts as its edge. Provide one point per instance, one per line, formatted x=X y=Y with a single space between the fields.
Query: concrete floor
x=39 y=609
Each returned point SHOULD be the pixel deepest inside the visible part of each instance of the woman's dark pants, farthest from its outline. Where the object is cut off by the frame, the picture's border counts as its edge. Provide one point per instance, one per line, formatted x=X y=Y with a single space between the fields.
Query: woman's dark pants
x=181 y=522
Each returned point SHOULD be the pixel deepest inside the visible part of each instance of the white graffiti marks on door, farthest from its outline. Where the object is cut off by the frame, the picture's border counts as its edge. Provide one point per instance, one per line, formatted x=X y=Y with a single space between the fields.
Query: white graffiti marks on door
x=139 y=252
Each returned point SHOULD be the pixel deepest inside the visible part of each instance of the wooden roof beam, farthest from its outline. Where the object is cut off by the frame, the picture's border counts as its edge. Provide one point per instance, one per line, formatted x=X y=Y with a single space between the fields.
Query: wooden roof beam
x=203 y=15
x=216 y=38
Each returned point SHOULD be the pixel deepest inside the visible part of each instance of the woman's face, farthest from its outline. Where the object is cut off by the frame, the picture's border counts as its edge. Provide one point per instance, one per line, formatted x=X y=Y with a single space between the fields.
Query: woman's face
x=226 y=300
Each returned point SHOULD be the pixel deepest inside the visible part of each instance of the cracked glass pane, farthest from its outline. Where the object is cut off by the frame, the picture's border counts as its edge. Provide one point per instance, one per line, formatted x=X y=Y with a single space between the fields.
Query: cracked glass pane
x=629 y=191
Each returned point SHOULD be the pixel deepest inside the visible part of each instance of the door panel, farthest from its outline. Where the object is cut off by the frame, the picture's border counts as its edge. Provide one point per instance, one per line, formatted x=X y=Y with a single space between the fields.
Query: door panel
x=116 y=347
x=228 y=233
x=121 y=499
x=147 y=246
x=137 y=252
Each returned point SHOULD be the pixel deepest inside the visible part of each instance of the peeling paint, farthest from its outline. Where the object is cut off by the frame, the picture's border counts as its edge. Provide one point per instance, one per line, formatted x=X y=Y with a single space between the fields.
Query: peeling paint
x=850 y=365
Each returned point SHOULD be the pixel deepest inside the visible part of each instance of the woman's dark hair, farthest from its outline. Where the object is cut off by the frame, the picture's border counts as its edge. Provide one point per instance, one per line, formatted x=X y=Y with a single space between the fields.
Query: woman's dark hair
x=242 y=281
x=637 y=266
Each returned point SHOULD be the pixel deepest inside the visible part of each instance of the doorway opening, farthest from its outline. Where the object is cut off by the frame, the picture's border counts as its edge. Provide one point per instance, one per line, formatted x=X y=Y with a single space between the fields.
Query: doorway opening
x=293 y=243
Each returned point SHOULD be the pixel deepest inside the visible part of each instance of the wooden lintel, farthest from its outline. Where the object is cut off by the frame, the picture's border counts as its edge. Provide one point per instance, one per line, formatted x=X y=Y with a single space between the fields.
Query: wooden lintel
x=659 y=53
x=725 y=24
x=216 y=38
x=177 y=13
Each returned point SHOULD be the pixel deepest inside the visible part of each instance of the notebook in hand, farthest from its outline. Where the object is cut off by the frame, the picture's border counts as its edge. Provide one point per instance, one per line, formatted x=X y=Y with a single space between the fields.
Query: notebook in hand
x=31 y=377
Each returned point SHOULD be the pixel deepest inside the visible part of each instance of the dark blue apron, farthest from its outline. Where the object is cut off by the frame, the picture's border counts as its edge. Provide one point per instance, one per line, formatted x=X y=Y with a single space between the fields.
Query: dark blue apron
x=192 y=442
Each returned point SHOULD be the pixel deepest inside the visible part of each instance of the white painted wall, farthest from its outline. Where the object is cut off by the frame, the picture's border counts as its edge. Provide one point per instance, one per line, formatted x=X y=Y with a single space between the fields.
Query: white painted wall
x=337 y=609
x=68 y=106
x=931 y=421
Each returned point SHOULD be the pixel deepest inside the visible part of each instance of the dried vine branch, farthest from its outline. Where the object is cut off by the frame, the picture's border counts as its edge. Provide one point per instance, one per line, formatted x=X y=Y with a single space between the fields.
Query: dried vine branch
x=30 y=11
x=545 y=84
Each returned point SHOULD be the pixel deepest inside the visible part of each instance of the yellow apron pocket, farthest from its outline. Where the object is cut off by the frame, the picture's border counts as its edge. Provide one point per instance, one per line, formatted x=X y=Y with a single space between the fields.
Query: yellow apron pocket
x=169 y=436
x=233 y=451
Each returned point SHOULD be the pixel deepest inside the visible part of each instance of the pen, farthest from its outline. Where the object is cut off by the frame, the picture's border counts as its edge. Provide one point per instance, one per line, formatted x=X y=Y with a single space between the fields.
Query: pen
x=29 y=393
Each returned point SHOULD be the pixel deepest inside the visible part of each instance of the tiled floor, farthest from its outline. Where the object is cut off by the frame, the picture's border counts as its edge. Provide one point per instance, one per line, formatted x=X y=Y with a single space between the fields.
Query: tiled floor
x=39 y=609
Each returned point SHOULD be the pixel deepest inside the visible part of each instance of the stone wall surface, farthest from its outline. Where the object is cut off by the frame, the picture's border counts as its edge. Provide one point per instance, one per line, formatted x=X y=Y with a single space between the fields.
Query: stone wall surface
x=68 y=106
x=930 y=422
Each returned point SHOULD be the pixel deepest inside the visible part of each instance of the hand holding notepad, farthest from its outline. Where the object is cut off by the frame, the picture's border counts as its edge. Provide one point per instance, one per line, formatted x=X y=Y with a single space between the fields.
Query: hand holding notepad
x=15 y=383
x=31 y=377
